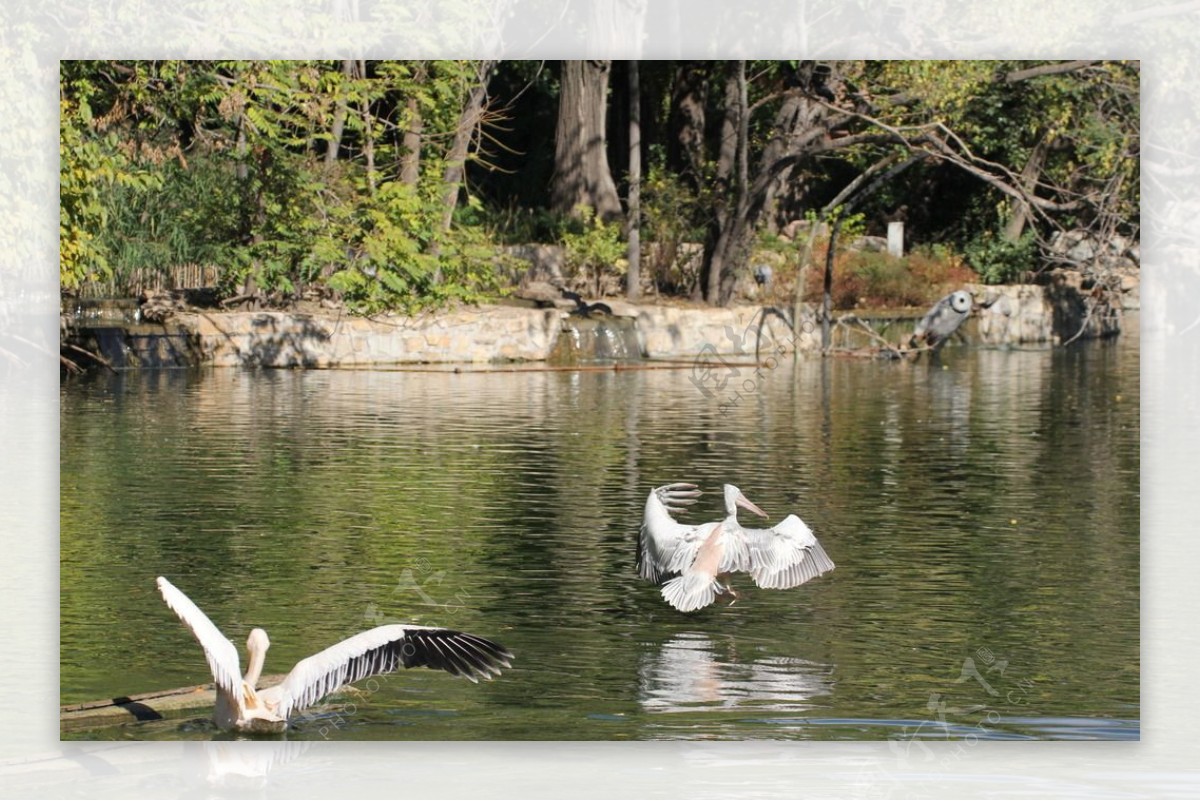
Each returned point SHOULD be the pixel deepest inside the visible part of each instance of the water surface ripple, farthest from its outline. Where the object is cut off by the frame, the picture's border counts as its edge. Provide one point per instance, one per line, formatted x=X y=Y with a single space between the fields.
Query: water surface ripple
x=983 y=515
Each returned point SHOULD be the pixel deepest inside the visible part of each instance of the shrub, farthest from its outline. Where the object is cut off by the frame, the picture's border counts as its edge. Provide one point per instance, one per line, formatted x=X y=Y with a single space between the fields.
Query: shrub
x=999 y=261
x=517 y=225
x=592 y=247
x=670 y=213
x=885 y=280
x=398 y=257
x=878 y=280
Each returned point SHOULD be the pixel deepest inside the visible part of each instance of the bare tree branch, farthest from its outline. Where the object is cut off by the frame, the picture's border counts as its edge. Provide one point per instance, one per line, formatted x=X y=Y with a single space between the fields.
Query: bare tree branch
x=938 y=148
x=871 y=188
x=862 y=178
x=1056 y=68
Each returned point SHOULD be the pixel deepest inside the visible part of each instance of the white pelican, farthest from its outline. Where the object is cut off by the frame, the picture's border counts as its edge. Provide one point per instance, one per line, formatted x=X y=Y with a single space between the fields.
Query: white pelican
x=241 y=706
x=778 y=558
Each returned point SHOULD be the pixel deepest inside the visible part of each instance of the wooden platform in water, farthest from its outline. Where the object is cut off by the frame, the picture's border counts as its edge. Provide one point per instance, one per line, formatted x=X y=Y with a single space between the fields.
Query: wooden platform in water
x=143 y=706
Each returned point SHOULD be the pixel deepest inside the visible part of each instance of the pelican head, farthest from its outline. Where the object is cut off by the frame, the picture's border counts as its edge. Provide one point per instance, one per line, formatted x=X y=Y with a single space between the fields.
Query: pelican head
x=734 y=498
x=256 y=646
x=257 y=642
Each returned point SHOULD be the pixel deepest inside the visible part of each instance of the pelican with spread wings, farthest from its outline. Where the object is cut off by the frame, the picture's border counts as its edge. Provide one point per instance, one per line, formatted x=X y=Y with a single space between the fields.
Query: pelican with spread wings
x=241 y=706
x=699 y=557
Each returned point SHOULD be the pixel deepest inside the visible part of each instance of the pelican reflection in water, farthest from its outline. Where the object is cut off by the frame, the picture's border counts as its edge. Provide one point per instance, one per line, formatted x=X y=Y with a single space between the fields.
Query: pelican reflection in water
x=778 y=558
x=241 y=706
x=692 y=672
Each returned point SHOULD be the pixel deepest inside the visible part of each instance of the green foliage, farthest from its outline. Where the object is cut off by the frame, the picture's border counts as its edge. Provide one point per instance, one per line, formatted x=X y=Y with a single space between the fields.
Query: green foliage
x=672 y=216
x=850 y=226
x=397 y=259
x=593 y=248
x=289 y=174
x=1085 y=120
x=884 y=279
x=999 y=261
x=90 y=166
x=228 y=163
x=518 y=225
x=670 y=208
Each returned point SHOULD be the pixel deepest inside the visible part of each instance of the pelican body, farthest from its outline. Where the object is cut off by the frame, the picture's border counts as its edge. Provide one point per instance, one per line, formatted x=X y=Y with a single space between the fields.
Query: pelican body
x=781 y=557
x=241 y=706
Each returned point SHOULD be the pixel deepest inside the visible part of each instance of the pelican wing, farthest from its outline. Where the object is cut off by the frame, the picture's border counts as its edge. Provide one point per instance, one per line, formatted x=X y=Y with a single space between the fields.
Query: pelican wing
x=383 y=650
x=785 y=555
x=221 y=654
x=664 y=544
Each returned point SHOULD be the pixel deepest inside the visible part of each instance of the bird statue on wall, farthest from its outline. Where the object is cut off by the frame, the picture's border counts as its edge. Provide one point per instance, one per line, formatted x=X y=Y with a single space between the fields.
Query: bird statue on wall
x=241 y=706
x=942 y=320
x=779 y=558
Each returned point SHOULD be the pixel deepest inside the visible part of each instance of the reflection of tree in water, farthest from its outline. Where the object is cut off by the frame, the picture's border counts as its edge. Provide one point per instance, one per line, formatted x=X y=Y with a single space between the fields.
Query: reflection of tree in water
x=968 y=506
x=691 y=672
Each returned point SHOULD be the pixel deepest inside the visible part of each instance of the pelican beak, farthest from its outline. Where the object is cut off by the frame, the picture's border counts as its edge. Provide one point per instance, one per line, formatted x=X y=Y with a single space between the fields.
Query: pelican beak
x=744 y=502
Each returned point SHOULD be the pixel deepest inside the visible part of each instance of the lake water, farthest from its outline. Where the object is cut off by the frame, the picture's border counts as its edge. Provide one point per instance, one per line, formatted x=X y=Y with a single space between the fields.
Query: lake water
x=983 y=514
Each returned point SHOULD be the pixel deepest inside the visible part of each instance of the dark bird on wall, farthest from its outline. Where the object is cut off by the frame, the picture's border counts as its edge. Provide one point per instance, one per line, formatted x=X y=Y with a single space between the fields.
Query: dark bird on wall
x=585 y=309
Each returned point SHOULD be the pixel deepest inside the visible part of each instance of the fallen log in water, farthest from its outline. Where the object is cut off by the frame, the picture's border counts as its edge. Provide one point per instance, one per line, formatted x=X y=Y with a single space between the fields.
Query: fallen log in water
x=143 y=706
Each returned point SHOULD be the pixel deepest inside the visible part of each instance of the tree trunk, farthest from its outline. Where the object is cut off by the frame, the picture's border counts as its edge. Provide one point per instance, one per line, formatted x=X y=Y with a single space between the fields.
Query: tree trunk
x=743 y=142
x=685 y=147
x=797 y=115
x=410 y=157
x=468 y=123
x=242 y=171
x=368 y=132
x=827 y=290
x=338 y=126
x=633 y=278
x=581 y=172
x=456 y=157
x=734 y=253
x=732 y=178
x=1021 y=210
x=725 y=210
x=799 y=125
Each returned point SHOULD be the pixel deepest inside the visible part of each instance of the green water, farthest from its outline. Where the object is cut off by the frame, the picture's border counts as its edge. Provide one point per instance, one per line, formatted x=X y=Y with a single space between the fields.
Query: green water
x=983 y=515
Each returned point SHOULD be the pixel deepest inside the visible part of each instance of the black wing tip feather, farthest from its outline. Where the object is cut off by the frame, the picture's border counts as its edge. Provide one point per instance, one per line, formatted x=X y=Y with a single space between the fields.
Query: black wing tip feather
x=458 y=653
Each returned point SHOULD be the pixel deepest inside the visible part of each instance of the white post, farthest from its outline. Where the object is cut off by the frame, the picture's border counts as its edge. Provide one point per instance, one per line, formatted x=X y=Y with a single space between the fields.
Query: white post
x=896 y=239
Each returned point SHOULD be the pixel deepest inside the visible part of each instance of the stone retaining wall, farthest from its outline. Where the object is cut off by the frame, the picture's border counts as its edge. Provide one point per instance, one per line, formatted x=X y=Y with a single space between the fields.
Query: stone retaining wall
x=1014 y=315
x=471 y=336
x=1051 y=314
x=669 y=332
x=278 y=339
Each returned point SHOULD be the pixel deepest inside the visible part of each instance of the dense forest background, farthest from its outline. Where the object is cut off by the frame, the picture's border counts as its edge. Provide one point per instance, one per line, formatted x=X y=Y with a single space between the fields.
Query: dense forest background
x=402 y=184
